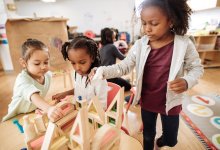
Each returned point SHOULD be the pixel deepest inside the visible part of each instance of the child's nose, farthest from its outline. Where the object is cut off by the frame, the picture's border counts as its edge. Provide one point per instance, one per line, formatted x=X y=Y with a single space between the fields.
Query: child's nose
x=147 y=28
x=77 y=67
x=43 y=66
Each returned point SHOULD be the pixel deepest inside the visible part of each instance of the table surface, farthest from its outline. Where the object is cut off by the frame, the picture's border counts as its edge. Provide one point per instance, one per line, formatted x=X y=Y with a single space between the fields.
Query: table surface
x=12 y=139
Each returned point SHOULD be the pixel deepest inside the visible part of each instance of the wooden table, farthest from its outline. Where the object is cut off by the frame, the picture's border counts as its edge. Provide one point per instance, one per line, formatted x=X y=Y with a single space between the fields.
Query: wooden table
x=12 y=139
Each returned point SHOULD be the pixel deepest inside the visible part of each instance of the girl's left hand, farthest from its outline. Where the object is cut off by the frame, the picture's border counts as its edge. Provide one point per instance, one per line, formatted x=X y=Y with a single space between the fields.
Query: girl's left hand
x=178 y=85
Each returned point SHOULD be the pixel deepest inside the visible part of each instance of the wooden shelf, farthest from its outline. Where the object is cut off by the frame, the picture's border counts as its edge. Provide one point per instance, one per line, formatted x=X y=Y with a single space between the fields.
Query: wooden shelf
x=205 y=45
x=211 y=64
x=207 y=50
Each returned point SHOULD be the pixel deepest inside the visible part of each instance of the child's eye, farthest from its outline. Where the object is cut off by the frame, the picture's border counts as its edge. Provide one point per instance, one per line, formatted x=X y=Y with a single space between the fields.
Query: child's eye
x=46 y=63
x=37 y=64
x=154 y=23
x=144 y=23
x=82 y=62
x=73 y=63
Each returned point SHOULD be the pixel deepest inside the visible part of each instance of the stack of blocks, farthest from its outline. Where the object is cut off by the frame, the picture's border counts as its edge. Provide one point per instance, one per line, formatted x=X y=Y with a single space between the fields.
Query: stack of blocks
x=83 y=126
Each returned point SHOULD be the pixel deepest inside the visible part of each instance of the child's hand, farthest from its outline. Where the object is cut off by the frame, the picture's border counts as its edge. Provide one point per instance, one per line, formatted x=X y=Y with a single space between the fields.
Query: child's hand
x=54 y=113
x=59 y=96
x=92 y=73
x=96 y=73
x=178 y=85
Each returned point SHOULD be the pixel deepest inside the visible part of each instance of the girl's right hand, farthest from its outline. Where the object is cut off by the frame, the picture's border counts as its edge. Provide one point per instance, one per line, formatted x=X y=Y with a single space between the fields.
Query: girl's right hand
x=54 y=113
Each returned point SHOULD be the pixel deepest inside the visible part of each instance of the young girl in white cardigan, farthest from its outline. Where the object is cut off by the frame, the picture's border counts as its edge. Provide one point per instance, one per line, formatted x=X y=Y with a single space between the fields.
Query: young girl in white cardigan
x=167 y=64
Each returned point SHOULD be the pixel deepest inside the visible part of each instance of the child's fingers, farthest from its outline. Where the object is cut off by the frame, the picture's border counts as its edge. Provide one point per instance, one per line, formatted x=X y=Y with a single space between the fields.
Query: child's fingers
x=92 y=73
x=54 y=97
x=178 y=89
x=58 y=111
x=177 y=83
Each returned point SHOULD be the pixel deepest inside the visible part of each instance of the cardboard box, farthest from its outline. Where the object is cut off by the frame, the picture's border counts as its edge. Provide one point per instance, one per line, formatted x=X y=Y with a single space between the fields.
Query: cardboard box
x=51 y=31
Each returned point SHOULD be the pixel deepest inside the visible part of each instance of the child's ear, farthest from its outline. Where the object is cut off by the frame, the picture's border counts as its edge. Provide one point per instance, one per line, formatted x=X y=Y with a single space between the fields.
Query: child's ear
x=22 y=62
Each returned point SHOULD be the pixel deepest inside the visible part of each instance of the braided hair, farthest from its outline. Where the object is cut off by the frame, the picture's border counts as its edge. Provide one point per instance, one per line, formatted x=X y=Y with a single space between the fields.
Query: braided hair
x=85 y=43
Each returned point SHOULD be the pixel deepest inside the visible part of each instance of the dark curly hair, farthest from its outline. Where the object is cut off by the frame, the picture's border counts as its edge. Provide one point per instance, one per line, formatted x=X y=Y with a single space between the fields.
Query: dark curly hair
x=107 y=36
x=30 y=46
x=177 y=11
x=85 y=43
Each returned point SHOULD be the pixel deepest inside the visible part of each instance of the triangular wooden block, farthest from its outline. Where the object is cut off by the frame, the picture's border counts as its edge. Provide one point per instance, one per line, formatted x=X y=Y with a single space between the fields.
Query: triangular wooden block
x=80 y=134
x=95 y=110
x=77 y=131
x=113 y=115
x=52 y=135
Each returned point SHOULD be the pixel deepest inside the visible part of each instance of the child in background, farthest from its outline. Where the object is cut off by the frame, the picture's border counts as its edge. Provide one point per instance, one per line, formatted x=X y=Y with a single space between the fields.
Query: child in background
x=83 y=54
x=33 y=82
x=109 y=53
x=167 y=64
x=121 y=45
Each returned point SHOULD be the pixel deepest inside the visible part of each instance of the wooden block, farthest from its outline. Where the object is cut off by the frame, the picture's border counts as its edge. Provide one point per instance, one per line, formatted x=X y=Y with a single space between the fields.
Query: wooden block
x=81 y=103
x=52 y=133
x=40 y=124
x=29 y=129
x=60 y=143
x=66 y=108
x=96 y=113
x=105 y=138
x=80 y=134
x=36 y=143
x=113 y=115
x=67 y=121
x=95 y=107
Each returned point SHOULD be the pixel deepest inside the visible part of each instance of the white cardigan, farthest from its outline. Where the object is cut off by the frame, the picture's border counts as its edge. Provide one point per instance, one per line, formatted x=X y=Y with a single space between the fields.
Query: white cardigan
x=185 y=64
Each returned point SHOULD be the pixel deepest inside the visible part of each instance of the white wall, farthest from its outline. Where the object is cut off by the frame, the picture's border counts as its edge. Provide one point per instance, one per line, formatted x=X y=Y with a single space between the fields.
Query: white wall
x=5 y=56
x=97 y=14
x=199 y=18
x=86 y=14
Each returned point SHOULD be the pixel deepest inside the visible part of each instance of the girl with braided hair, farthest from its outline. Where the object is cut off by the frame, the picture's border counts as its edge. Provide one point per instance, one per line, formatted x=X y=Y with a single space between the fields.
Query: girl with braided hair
x=83 y=54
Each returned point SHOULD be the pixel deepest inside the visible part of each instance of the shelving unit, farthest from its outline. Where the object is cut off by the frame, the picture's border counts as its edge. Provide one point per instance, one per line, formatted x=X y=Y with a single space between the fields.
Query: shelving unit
x=206 y=47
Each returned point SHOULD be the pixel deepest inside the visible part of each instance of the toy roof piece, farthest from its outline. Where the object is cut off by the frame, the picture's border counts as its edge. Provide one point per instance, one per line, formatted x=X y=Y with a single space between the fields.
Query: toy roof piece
x=54 y=138
x=113 y=115
x=95 y=111
x=80 y=134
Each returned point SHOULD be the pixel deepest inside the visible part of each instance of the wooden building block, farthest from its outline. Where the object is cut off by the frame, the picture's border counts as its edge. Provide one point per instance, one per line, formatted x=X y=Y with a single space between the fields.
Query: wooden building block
x=60 y=143
x=65 y=123
x=40 y=124
x=36 y=143
x=80 y=134
x=66 y=108
x=80 y=103
x=113 y=115
x=52 y=136
x=105 y=138
x=96 y=113
x=29 y=129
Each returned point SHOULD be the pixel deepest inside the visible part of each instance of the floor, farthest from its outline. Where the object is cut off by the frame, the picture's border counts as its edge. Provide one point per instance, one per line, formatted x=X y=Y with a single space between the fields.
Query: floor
x=209 y=83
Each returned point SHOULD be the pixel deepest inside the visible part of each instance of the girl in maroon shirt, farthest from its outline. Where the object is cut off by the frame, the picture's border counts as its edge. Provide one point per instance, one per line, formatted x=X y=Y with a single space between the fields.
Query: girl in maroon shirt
x=160 y=20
